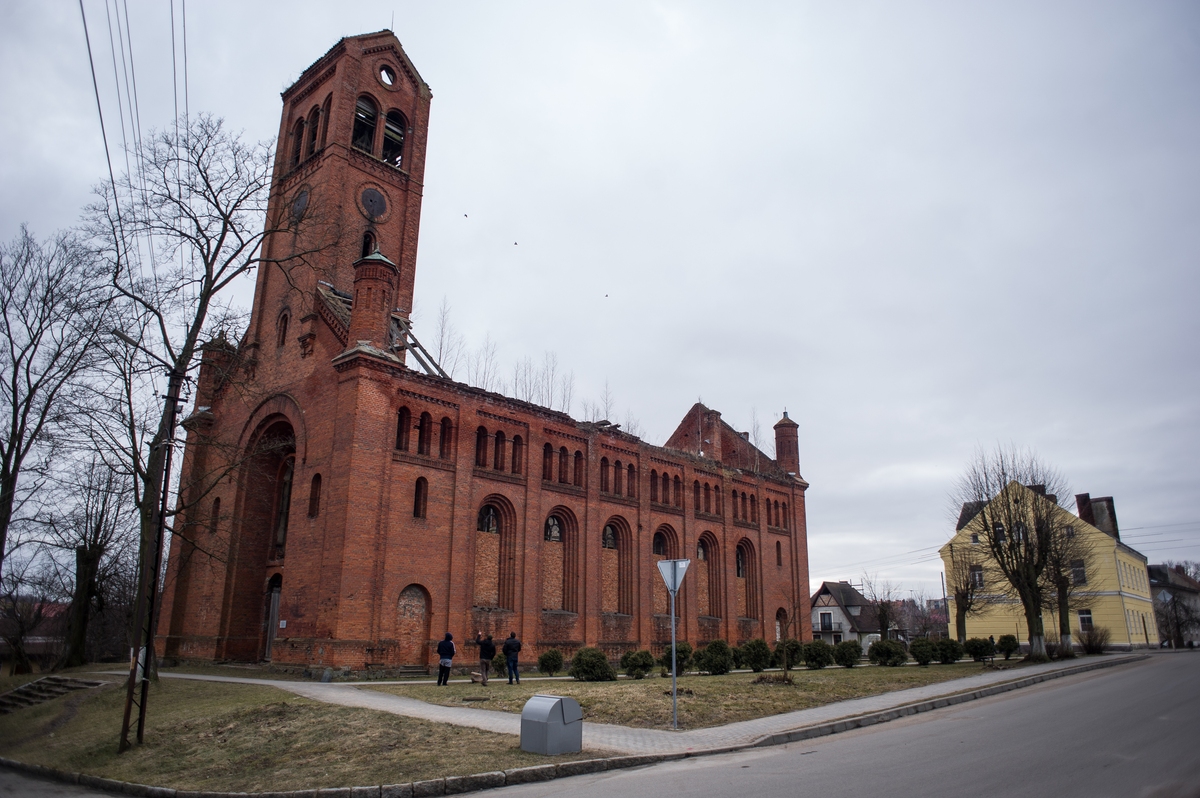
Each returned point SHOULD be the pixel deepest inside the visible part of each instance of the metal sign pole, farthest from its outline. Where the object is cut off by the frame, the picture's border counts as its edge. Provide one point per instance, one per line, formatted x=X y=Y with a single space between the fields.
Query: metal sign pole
x=674 y=694
x=673 y=572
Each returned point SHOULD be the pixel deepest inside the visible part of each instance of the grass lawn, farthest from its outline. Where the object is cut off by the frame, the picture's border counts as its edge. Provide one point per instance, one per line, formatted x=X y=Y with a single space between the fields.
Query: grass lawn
x=703 y=700
x=234 y=737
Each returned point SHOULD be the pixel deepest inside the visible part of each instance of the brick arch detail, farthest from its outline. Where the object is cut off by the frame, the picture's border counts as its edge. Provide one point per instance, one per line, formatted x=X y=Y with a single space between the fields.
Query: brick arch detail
x=413 y=614
x=560 y=563
x=616 y=568
x=498 y=557
x=708 y=577
x=265 y=414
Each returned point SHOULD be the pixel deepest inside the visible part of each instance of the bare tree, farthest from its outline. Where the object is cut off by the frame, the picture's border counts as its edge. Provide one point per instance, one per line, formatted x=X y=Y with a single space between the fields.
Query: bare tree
x=607 y=405
x=52 y=304
x=884 y=599
x=28 y=590
x=1177 y=618
x=566 y=391
x=1071 y=558
x=1191 y=568
x=1018 y=521
x=967 y=577
x=483 y=369
x=448 y=343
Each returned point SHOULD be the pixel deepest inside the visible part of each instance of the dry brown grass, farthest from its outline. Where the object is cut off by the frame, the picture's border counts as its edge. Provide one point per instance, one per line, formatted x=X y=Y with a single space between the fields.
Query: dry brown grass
x=233 y=737
x=712 y=700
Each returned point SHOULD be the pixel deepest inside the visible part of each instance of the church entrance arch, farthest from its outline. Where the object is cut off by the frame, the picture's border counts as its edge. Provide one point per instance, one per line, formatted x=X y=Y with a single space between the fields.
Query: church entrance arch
x=412 y=626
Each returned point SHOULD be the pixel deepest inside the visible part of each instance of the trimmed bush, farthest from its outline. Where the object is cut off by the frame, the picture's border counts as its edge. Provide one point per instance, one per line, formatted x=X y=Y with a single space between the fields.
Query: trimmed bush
x=949 y=651
x=637 y=664
x=818 y=654
x=1095 y=641
x=887 y=652
x=755 y=654
x=1008 y=645
x=590 y=665
x=715 y=658
x=551 y=662
x=500 y=663
x=737 y=657
x=847 y=653
x=683 y=658
x=922 y=650
x=794 y=650
x=979 y=647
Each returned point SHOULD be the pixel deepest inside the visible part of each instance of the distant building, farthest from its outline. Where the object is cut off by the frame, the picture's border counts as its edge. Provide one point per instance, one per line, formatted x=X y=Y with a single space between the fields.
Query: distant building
x=1176 y=605
x=840 y=612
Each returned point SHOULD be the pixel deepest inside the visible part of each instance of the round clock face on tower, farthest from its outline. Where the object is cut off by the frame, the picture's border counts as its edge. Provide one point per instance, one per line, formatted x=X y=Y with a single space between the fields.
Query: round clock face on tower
x=374 y=203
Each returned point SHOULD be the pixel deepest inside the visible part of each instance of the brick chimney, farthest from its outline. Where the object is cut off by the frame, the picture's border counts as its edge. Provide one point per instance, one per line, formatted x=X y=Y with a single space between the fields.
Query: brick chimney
x=1099 y=512
x=375 y=279
x=787 y=445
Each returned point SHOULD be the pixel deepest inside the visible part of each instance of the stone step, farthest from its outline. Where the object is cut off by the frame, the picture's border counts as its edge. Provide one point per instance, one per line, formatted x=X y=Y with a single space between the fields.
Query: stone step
x=40 y=690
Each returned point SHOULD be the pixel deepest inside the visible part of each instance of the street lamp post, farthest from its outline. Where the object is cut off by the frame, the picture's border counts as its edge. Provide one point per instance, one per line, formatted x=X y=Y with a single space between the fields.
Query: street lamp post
x=142 y=650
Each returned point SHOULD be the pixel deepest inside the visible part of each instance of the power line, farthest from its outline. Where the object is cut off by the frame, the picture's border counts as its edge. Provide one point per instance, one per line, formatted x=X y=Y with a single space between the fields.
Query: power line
x=103 y=133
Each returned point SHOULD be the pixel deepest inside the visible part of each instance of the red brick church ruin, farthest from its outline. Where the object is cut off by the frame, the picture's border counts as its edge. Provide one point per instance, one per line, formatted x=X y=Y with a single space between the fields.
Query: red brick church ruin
x=364 y=503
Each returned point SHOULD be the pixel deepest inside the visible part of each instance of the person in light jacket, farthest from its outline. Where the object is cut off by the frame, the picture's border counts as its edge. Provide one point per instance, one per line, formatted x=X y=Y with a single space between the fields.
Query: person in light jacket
x=446 y=652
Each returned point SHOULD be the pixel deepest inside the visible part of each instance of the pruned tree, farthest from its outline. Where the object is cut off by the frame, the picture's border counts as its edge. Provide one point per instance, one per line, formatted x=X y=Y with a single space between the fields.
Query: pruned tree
x=884 y=599
x=52 y=307
x=1017 y=521
x=1071 y=558
x=1177 y=618
x=967 y=580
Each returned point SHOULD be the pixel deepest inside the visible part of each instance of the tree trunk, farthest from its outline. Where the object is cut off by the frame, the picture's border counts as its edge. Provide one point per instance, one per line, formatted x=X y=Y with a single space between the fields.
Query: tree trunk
x=960 y=620
x=87 y=564
x=8 y=496
x=1037 y=635
x=1065 y=645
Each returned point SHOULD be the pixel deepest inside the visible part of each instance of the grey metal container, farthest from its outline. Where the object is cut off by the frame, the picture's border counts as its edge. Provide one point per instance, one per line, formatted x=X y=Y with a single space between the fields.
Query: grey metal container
x=551 y=724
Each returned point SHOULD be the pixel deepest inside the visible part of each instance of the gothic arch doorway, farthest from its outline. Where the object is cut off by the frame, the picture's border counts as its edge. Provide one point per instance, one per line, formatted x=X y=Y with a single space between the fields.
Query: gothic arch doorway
x=412 y=626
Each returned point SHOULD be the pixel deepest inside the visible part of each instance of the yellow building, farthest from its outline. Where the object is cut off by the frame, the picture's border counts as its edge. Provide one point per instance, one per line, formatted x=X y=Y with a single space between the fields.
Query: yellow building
x=1110 y=590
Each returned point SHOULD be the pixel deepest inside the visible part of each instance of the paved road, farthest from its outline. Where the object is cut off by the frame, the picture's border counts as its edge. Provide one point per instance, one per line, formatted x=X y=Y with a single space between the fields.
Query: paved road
x=1132 y=731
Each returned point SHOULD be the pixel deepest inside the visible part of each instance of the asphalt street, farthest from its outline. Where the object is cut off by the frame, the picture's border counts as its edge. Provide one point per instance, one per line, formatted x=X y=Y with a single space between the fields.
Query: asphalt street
x=1133 y=730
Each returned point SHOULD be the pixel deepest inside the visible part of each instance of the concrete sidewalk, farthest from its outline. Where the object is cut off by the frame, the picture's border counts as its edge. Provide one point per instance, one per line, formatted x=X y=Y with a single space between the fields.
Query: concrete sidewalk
x=628 y=740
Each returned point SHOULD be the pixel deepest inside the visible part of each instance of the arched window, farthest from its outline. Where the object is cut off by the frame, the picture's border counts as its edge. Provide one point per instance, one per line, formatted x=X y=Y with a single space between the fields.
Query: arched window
x=653 y=485
x=548 y=462
x=297 y=143
x=314 y=130
x=446 y=439
x=701 y=551
x=481 y=452
x=403 y=425
x=553 y=529
x=631 y=482
x=578 y=469
x=325 y=119
x=499 y=458
x=368 y=246
x=696 y=497
x=717 y=501
x=778 y=554
x=707 y=498
x=777 y=521
x=563 y=465
x=281 y=328
x=618 y=473
x=608 y=539
x=393 y=138
x=660 y=544
x=666 y=488
x=753 y=509
x=518 y=454
x=735 y=505
x=745 y=509
x=678 y=492
x=314 y=497
x=747 y=576
x=781 y=623
x=425 y=434
x=489 y=520
x=283 y=503
x=420 y=496
x=740 y=563
x=785 y=516
x=604 y=474
x=215 y=518
x=366 y=117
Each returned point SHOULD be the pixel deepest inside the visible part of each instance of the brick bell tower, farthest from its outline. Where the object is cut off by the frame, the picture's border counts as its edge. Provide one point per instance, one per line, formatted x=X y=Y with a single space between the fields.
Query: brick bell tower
x=349 y=172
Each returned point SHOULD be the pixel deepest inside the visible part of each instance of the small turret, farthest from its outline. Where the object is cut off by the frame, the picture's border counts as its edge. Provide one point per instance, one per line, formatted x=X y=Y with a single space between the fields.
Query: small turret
x=375 y=279
x=787 y=445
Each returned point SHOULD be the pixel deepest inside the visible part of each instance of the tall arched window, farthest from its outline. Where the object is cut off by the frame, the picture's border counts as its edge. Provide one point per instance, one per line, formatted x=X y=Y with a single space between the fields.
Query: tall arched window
x=660 y=544
x=717 y=501
x=393 y=138
x=707 y=498
x=604 y=474
x=366 y=117
x=666 y=488
x=735 y=505
x=425 y=434
x=631 y=482
x=608 y=539
x=785 y=516
x=368 y=244
x=314 y=497
x=500 y=456
x=553 y=532
x=495 y=557
x=753 y=509
x=281 y=328
x=740 y=563
x=653 y=485
x=297 y=143
x=777 y=521
x=547 y=462
x=564 y=464
x=489 y=520
x=325 y=119
x=420 y=497
x=696 y=505
x=481 y=446
x=215 y=518
x=618 y=474
x=283 y=504
x=314 y=130
x=745 y=508
x=677 y=494
x=403 y=424
x=778 y=554
x=446 y=439
x=578 y=469
x=616 y=568
x=518 y=454
x=747 y=580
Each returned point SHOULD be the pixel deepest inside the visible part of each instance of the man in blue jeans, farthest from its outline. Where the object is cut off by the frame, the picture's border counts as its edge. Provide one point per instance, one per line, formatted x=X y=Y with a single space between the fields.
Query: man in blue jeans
x=512 y=647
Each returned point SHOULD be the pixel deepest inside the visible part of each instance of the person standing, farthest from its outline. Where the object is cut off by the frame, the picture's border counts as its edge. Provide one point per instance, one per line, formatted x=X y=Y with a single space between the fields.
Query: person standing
x=446 y=652
x=512 y=647
x=487 y=653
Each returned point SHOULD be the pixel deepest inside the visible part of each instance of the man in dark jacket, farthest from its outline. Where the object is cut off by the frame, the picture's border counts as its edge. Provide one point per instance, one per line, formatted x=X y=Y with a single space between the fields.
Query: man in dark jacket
x=512 y=647
x=445 y=651
x=487 y=653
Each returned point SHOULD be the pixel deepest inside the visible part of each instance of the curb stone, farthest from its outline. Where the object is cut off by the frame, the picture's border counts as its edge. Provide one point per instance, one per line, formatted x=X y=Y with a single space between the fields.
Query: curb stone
x=452 y=785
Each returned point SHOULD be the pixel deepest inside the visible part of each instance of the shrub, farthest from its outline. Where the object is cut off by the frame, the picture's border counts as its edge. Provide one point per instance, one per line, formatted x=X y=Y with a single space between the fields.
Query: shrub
x=590 y=665
x=1095 y=641
x=500 y=663
x=887 y=652
x=737 y=657
x=818 y=654
x=794 y=650
x=683 y=658
x=847 y=653
x=1008 y=645
x=551 y=662
x=756 y=655
x=922 y=650
x=637 y=664
x=715 y=658
x=1051 y=649
x=978 y=647
x=949 y=651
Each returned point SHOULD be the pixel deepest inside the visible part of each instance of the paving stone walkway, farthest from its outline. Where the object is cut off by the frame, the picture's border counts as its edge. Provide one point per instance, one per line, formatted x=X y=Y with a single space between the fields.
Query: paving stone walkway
x=628 y=740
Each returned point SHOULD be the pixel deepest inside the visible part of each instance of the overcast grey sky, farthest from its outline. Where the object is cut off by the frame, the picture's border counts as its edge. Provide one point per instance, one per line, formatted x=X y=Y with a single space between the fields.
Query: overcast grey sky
x=920 y=227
